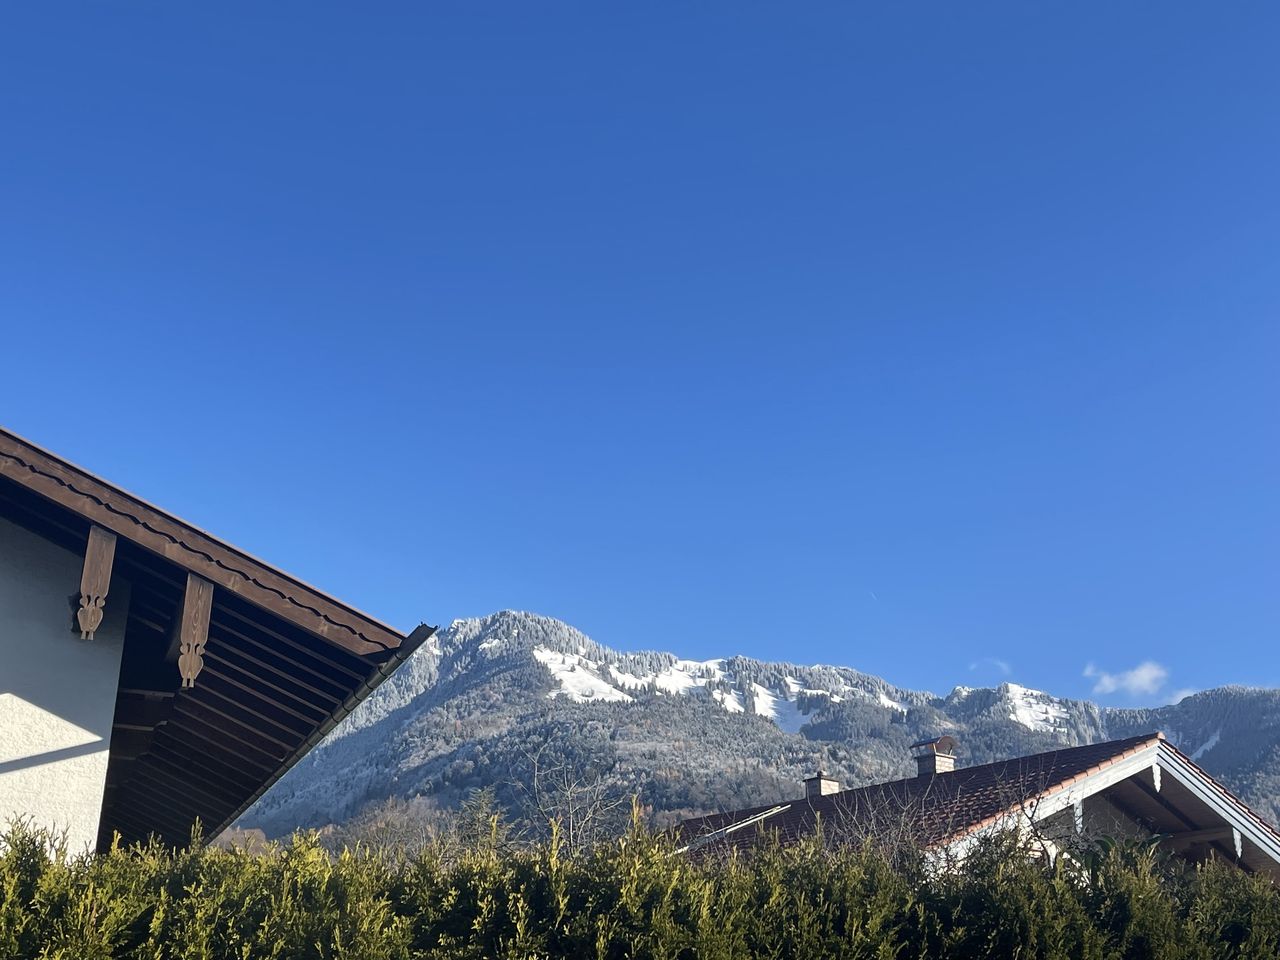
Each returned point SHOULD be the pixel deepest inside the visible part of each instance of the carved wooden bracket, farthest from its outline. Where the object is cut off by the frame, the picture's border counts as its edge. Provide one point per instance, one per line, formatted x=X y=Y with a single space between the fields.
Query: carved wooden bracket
x=95 y=580
x=193 y=628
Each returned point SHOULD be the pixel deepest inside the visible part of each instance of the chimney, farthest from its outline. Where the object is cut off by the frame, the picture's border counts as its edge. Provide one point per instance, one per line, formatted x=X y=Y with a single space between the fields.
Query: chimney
x=934 y=756
x=820 y=785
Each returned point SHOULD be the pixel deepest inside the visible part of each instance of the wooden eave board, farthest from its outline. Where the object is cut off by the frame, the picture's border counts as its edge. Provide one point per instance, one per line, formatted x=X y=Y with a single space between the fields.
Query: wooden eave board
x=191 y=548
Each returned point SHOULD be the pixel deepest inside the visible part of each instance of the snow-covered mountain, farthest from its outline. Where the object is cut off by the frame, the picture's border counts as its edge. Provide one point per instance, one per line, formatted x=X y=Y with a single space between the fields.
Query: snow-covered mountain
x=472 y=705
x=790 y=706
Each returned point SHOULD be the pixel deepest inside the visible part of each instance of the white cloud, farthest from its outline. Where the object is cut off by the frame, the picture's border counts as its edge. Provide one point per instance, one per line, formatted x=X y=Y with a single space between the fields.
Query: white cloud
x=1001 y=665
x=1145 y=679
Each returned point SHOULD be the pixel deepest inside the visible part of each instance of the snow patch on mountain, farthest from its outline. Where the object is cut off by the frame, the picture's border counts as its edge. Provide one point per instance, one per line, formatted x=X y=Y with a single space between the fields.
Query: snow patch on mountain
x=682 y=677
x=731 y=700
x=581 y=678
x=1034 y=709
x=784 y=712
x=795 y=687
x=576 y=677
x=585 y=671
x=886 y=701
x=1208 y=745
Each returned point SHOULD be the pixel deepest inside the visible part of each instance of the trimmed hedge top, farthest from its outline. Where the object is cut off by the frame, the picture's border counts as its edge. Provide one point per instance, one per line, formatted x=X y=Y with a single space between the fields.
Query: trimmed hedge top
x=629 y=899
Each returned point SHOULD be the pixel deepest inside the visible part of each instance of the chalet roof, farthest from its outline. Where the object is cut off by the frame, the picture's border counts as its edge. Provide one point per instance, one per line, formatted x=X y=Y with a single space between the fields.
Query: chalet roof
x=932 y=810
x=191 y=548
x=283 y=661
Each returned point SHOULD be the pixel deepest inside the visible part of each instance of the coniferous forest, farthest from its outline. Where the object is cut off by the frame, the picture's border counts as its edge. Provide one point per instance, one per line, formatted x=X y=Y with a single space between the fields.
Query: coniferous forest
x=477 y=894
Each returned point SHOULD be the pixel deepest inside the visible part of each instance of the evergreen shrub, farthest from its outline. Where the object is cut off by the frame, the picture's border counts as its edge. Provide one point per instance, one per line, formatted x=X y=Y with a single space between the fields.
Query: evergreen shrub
x=633 y=898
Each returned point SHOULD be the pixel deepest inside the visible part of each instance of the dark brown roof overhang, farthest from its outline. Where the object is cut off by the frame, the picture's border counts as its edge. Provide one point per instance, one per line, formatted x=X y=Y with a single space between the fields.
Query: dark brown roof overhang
x=283 y=663
x=192 y=549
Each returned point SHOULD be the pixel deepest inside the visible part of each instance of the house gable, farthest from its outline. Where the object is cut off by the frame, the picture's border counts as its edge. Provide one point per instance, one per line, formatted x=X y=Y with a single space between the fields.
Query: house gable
x=226 y=670
x=1142 y=785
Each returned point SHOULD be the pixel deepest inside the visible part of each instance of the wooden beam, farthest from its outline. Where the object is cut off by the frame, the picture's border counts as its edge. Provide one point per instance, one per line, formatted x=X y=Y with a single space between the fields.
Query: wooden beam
x=182 y=772
x=1118 y=799
x=222 y=669
x=193 y=628
x=1208 y=835
x=212 y=742
x=129 y=743
x=135 y=828
x=276 y=639
x=168 y=785
x=141 y=710
x=225 y=774
x=1176 y=813
x=228 y=659
x=149 y=805
x=250 y=736
x=213 y=688
x=1164 y=804
x=95 y=579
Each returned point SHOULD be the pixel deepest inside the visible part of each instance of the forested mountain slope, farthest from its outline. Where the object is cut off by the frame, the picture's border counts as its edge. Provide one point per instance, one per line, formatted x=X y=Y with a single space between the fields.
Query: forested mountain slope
x=487 y=700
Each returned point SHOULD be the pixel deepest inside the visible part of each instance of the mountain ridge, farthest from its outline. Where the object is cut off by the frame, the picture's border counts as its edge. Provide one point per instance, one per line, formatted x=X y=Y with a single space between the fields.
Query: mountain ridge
x=472 y=707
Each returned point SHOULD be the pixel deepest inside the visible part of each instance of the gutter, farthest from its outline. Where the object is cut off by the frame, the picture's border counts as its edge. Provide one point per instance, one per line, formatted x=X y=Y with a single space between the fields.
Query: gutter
x=700 y=842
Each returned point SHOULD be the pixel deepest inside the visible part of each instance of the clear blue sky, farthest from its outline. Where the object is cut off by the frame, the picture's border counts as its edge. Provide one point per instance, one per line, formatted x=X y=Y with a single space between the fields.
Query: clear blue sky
x=938 y=339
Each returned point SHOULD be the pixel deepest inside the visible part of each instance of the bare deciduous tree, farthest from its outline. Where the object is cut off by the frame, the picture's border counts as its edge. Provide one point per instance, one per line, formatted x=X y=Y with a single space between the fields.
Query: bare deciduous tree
x=583 y=803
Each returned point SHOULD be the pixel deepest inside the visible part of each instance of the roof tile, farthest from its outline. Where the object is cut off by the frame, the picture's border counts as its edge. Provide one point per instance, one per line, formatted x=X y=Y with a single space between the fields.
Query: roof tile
x=928 y=810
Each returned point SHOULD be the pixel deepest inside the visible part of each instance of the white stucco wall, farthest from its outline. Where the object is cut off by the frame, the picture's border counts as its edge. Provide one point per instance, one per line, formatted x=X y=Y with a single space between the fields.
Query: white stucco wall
x=57 y=692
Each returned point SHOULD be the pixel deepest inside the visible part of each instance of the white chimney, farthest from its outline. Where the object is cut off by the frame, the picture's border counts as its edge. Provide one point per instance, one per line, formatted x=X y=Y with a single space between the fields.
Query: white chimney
x=820 y=785
x=934 y=756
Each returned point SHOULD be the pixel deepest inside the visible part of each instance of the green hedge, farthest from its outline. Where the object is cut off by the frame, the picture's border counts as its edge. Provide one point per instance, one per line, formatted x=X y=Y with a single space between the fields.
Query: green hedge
x=633 y=898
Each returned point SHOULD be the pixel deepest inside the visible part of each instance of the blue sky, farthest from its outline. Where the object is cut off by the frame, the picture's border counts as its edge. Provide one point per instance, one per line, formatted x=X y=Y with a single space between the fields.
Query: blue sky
x=940 y=340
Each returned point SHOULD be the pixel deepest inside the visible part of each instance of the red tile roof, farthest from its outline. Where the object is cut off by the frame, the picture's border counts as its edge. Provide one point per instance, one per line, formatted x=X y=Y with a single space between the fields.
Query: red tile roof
x=924 y=810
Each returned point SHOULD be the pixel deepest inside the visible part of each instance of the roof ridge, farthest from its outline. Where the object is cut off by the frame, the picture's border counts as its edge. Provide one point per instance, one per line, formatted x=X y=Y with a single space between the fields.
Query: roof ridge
x=912 y=789
x=960 y=772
